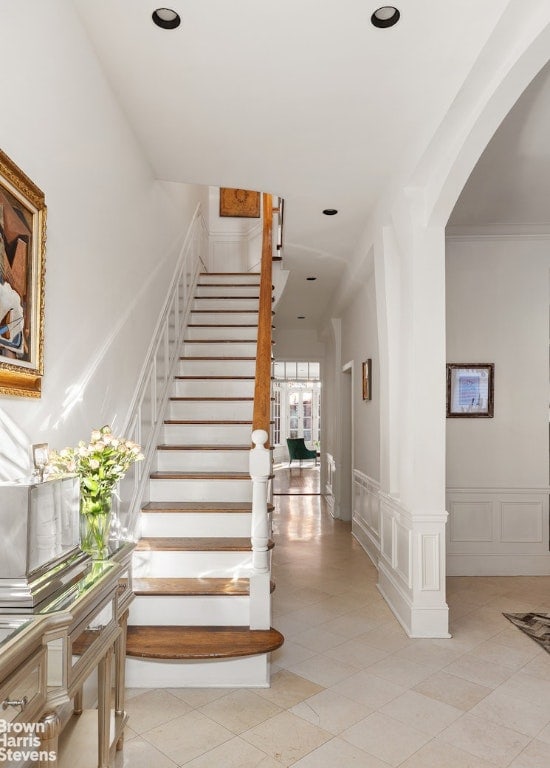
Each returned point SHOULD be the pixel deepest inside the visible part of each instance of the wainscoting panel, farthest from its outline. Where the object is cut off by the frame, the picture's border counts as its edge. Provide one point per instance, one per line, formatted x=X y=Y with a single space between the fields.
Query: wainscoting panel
x=366 y=514
x=498 y=531
x=330 y=472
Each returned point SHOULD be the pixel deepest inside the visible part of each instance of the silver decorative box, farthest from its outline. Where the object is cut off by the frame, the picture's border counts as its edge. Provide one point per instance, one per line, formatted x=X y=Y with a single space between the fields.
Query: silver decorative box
x=39 y=537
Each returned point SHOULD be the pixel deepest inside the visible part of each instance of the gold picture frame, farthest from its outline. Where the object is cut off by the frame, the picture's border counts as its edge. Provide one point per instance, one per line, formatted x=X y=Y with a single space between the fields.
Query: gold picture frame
x=22 y=269
x=241 y=203
x=367 y=379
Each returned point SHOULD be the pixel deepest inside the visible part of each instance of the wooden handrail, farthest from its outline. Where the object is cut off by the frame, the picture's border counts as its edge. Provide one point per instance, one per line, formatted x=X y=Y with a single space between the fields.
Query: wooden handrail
x=262 y=384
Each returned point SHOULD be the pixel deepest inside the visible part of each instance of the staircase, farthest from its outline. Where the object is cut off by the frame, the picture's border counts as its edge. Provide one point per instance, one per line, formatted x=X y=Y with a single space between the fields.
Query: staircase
x=190 y=621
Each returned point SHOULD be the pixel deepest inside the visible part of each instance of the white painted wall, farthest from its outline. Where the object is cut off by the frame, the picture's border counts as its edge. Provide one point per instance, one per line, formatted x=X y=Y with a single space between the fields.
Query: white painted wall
x=114 y=232
x=359 y=342
x=497 y=469
x=297 y=345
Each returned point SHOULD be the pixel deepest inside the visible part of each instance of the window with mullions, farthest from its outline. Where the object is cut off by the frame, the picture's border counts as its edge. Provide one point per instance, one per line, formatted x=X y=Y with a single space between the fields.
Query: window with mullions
x=297 y=402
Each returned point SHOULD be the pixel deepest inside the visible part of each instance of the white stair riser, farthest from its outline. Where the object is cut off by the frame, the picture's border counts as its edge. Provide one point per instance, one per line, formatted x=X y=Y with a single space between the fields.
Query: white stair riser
x=239 y=332
x=180 y=610
x=229 y=410
x=204 y=461
x=242 y=277
x=166 y=564
x=188 y=367
x=214 y=434
x=244 y=672
x=200 y=490
x=230 y=318
x=213 y=388
x=219 y=349
x=215 y=290
x=196 y=524
x=226 y=304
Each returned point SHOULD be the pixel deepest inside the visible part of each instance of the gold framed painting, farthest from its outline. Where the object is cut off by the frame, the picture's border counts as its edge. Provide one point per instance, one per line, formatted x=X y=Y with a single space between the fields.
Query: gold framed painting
x=241 y=203
x=22 y=268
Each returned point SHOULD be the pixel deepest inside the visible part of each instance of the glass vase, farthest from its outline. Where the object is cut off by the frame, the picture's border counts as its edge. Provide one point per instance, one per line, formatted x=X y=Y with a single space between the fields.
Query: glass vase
x=95 y=523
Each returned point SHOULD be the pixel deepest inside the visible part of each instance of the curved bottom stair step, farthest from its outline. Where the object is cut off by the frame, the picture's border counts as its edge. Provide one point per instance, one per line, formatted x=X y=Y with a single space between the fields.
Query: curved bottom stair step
x=167 y=642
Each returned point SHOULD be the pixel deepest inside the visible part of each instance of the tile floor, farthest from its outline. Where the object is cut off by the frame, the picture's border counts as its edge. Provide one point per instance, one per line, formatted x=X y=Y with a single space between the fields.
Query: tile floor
x=349 y=688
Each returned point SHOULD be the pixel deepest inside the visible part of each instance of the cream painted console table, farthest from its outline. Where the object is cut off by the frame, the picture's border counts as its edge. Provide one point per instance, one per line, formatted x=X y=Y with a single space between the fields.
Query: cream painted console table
x=46 y=657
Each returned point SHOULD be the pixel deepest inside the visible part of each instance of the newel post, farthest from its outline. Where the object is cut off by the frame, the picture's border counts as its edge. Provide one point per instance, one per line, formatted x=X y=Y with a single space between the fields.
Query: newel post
x=260 y=471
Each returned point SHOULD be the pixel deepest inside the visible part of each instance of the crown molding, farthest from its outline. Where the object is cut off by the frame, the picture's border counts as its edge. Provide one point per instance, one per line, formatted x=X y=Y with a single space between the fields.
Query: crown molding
x=499 y=232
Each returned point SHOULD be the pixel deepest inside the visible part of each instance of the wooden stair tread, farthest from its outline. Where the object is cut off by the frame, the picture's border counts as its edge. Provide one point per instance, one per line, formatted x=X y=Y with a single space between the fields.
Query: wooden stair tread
x=196 y=544
x=203 y=507
x=200 y=642
x=165 y=447
x=176 y=475
x=191 y=587
x=213 y=399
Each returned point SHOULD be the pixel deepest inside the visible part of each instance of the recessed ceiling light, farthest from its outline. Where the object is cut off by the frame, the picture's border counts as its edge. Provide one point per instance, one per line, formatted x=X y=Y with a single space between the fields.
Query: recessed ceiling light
x=166 y=18
x=330 y=211
x=386 y=16
x=311 y=278
x=301 y=317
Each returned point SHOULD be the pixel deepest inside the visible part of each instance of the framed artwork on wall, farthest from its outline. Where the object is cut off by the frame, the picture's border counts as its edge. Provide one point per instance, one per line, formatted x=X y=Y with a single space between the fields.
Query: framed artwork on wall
x=22 y=266
x=470 y=390
x=241 y=203
x=367 y=379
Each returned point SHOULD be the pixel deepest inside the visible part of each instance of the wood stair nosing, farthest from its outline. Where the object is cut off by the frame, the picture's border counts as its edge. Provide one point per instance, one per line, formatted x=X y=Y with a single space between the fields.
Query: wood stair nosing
x=205 y=507
x=187 y=447
x=193 y=587
x=175 y=475
x=196 y=544
x=211 y=642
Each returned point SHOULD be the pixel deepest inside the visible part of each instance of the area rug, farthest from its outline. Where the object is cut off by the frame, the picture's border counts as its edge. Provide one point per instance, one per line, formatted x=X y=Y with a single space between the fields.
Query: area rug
x=536 y=625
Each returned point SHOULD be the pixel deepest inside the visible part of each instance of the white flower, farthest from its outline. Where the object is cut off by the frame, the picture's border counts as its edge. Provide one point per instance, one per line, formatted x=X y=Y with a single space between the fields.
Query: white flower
x=94 y=464
x=96 y=435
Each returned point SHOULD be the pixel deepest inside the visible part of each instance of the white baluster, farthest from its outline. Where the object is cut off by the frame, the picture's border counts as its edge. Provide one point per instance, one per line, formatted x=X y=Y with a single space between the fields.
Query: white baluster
x=260 y=471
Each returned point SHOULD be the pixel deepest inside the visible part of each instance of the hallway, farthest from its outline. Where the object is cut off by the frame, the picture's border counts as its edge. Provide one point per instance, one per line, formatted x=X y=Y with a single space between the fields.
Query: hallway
x=349 y=688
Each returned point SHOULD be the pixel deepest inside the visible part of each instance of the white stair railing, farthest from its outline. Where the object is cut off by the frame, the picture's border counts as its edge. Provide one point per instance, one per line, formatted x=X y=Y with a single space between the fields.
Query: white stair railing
x=144 y=420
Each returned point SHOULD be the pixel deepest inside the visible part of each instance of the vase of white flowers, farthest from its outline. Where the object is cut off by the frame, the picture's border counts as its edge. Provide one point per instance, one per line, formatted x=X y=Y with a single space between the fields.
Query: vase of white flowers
x=99 y=464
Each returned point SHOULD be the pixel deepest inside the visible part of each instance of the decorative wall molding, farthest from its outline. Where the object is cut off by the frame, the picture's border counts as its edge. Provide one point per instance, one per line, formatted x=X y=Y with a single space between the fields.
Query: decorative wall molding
x=365 y=524
x=499 y=232
x=498 y=531
x=330 y=474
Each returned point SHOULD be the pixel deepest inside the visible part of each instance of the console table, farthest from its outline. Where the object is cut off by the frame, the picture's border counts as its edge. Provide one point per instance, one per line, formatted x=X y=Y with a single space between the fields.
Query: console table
x=45 y=658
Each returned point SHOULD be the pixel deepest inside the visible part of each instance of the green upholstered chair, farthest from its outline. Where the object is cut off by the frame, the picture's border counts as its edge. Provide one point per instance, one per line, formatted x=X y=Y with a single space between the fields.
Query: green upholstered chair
x=298 y=451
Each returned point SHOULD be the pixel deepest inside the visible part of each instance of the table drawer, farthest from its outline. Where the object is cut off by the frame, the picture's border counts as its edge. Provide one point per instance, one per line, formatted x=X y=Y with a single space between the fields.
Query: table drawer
x=23 y=693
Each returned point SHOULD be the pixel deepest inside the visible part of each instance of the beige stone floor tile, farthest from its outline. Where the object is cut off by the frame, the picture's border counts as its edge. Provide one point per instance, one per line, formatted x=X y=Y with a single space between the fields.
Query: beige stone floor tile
x=138 y=753
x=129 y=734
x=235 y=753
x=352 y=624
x=291 y=653
x=452 y=690
x=388 y=637
x=151 y=708
x=286 y=738
x=437 y=754
x=188 y=737
x=426 y=715
x=338 y=753
x=485 y=740
x=510 y=712
x=539 y=666
x=477 y=670
x=331 y=711
x=368 y=689
x=514 y=658
x=400 y=671
x=322 y=670
x=535 y=755
x=515 y=638
x=240 y=710
x=428 y=653
x=356 y=652
x=291 y=625
x=387 y=739
x=319 y=641
x=528 y=687
x=197 y=697
x=287 y=689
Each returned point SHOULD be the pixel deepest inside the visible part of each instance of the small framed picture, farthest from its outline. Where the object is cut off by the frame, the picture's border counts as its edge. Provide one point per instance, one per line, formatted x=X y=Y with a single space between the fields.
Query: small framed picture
x=470 y=390
x=367 y=379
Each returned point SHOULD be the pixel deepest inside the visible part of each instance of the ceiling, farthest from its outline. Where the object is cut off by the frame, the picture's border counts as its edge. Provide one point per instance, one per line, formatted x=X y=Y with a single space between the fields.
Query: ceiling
x=306 y=100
